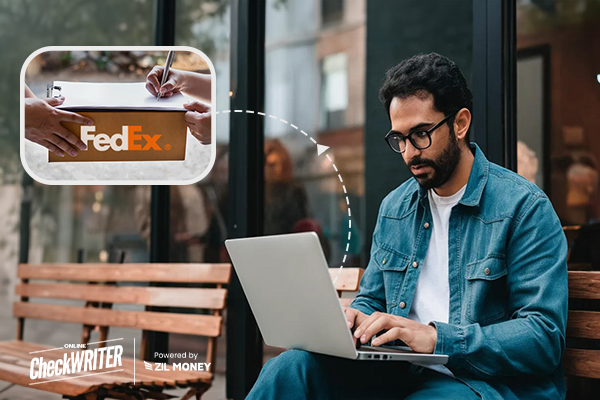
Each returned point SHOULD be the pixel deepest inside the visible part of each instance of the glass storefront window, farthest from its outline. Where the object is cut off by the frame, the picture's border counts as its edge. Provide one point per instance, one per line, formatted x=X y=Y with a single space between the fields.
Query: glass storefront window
x=100 y=220
x=198 y=212
x=316 y=75
x=558 y=63
x=315 y=69
x=65 y=219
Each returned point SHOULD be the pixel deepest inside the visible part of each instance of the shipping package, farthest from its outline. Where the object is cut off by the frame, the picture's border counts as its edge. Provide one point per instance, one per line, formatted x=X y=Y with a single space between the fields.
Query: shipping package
x=129 y=123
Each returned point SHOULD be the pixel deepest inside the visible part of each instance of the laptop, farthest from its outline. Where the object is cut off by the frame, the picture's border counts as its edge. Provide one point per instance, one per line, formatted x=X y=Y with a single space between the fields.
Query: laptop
x=288 y=286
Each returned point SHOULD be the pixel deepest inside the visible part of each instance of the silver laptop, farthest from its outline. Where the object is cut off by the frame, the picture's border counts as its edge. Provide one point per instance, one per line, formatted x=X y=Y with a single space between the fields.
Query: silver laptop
x=286 y=280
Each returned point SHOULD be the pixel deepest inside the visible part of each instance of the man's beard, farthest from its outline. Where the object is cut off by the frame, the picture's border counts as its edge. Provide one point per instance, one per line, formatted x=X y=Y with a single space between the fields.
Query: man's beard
x=443 y=167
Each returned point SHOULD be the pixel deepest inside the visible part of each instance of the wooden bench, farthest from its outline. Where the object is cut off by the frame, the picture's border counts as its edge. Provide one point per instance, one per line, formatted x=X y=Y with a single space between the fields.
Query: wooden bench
x=346 y=280
x=16 y=356
x=579 y=361
x=582 y=356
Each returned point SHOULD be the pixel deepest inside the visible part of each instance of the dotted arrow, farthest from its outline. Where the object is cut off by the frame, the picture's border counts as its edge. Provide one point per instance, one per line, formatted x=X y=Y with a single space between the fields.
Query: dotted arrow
x=321 y=149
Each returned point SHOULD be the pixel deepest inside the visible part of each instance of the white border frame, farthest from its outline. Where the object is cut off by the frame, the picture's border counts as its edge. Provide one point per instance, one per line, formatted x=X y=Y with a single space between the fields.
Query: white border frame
x=213 y=145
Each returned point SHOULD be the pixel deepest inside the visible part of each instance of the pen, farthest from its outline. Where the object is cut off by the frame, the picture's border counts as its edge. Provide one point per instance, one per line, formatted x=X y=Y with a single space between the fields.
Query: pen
x=165 y=74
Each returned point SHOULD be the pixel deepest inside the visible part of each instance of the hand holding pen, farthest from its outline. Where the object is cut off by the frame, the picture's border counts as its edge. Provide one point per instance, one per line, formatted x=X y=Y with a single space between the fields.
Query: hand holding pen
x=199 y=115
x=164 y=81
x=168 y=63
x=197 y=85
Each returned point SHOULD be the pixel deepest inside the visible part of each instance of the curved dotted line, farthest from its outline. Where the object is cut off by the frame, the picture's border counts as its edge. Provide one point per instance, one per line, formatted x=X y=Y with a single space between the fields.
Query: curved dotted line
x=326 y=155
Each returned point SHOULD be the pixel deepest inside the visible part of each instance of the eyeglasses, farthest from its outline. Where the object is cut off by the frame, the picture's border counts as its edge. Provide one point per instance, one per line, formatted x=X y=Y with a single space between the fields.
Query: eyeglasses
x=419 y=139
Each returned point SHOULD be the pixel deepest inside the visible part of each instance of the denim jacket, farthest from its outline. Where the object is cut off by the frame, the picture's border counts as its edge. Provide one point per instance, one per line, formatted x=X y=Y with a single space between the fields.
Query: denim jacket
x=507 y=272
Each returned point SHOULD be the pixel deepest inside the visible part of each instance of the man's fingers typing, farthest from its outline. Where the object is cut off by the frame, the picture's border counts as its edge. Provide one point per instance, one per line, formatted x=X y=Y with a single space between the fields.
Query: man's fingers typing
x=390 y=335
x=375 y=323
x=383 y=321
x=352 y=315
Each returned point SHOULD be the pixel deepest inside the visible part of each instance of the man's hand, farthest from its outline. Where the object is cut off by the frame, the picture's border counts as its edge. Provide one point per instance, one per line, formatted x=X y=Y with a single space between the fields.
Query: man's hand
x=42 y=126
x=421 y=338
x=354 y=317
x=198 y=119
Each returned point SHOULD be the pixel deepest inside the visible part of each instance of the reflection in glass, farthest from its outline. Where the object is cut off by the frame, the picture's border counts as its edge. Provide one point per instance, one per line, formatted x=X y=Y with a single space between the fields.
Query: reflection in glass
x=558 y=98
x=315 y=73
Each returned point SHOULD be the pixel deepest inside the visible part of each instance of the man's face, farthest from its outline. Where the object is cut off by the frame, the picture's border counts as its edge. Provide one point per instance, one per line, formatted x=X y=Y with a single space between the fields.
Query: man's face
x=434 y=166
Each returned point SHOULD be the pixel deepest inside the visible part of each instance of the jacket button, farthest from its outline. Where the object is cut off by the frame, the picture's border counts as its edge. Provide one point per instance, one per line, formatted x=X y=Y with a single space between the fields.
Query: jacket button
x=383 y=262
x=486 y=271
x=402 y=304
x=426 y=225
x=415 y=264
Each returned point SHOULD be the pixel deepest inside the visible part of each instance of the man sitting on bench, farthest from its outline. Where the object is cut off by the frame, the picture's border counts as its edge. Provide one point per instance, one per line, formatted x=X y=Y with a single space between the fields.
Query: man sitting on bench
x=468 y=259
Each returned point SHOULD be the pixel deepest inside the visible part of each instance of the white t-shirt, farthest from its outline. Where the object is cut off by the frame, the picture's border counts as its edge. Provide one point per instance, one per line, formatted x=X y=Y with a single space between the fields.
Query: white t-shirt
x=432 y=295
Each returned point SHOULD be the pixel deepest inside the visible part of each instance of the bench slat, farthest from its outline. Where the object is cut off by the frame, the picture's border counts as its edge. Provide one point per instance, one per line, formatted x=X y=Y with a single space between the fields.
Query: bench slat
x=348 y=279
x=201 y=325
x=583 y=324
x=582 y=363
x=584 y=285
x=172 y=273
x=149 y=296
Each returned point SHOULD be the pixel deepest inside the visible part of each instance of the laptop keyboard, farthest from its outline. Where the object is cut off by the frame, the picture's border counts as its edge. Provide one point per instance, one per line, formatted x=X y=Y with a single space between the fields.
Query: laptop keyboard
x=386 y=349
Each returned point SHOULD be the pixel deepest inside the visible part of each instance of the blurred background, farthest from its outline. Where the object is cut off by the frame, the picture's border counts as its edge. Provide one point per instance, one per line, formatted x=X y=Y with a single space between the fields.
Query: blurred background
x=319 y=64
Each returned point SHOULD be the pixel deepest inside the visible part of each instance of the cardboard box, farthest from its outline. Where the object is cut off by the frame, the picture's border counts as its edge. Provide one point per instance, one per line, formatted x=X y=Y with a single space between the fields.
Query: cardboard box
x=129 y=123
x=126 y=135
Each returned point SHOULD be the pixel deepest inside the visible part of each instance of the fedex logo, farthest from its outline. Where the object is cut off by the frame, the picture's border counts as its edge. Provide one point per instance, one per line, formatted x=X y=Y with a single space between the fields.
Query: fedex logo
x=128 y=139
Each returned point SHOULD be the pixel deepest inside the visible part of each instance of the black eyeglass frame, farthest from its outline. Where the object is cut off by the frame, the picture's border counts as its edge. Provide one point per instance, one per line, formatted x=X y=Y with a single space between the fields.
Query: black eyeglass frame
x=429 y=131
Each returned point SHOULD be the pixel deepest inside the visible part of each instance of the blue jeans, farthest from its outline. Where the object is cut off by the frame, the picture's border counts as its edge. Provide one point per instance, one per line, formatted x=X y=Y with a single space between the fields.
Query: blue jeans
x=298 y=374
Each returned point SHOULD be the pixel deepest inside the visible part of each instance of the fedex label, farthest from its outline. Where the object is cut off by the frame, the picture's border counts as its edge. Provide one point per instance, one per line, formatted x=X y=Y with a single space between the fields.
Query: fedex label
x=130 y=138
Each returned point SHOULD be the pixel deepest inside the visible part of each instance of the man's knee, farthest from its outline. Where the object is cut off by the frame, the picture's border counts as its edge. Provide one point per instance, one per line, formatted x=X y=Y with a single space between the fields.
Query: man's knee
x=294 y=374
x=293 y=361
x=291 y=371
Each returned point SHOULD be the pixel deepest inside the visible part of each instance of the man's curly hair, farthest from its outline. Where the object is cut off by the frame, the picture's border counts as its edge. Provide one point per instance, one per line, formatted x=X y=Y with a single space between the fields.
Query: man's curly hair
x=428 y=74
